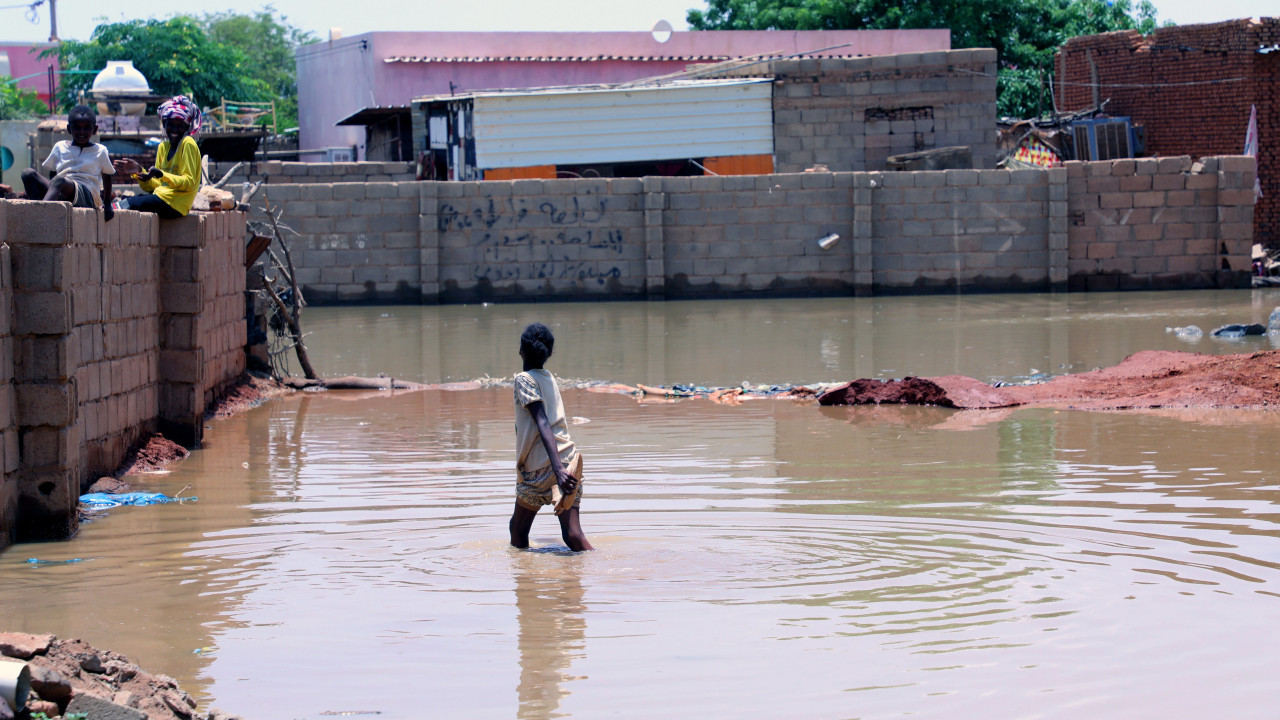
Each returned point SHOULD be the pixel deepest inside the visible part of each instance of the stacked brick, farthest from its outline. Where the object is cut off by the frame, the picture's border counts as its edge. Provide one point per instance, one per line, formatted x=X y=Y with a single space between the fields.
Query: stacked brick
x=965 y=228
x=359 y=241
x=851 y=114
x=1191 y=87
x=113 y=334
x=115 y=275
x=1164 y=223
x=8 y=428
x=756 y=235
x=296 y=172
x=201 y=317
x=221 y=328
x=533 y=238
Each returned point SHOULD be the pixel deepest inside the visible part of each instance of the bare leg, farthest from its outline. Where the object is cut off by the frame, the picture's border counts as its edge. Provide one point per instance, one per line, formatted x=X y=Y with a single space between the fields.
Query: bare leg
x=571 y=531
x=33 y=185
x=61 y=189
x=521 y=521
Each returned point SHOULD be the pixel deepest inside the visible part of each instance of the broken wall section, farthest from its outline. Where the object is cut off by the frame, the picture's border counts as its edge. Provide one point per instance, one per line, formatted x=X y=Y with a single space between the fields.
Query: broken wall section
x=1160 y=223
x=103 y=335
x=1191 y=87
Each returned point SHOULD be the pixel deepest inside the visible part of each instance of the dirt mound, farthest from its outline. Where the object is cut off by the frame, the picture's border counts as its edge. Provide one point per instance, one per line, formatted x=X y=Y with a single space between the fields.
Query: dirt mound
x=907 y=391
x=153 y=454
x=246 y=393
x=1148 y=379
x=1164 y=379
x=72 y=676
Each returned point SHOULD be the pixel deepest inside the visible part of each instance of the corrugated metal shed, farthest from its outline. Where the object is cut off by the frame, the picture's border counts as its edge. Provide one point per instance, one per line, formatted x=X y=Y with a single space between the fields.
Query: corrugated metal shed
x=687 y=119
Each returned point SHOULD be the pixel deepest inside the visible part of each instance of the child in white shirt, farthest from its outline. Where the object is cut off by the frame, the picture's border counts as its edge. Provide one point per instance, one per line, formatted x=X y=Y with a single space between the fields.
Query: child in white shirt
x=79 y=170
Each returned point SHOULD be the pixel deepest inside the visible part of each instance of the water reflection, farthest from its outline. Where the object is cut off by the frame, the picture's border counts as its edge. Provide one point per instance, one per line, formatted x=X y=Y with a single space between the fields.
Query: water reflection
x=550 y=610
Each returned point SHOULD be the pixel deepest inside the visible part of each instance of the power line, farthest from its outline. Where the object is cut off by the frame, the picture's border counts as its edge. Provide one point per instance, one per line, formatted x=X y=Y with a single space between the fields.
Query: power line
x=31 y=5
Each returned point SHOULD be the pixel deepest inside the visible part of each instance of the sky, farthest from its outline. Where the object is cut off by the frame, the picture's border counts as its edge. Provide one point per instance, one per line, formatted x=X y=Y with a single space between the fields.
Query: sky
x=77 y=18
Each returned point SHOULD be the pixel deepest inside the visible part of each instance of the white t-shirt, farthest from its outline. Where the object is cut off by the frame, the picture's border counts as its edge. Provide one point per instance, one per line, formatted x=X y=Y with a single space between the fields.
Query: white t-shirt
x=85 y=165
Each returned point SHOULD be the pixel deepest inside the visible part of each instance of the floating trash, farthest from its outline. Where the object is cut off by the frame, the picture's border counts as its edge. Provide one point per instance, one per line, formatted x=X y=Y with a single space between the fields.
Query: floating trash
x=95 y=502
x=41 y=563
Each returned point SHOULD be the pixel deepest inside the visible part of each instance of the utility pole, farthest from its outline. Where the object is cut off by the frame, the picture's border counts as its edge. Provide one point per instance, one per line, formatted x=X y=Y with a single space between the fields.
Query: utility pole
x=53 y=21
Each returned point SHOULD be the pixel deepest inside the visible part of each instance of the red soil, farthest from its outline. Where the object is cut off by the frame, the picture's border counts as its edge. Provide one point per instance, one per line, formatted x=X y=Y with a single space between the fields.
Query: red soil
x=1148 y=379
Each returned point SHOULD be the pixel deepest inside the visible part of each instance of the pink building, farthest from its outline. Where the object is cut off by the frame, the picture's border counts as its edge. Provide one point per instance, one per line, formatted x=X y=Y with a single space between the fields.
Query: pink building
x=383 y=69
x=23 y=61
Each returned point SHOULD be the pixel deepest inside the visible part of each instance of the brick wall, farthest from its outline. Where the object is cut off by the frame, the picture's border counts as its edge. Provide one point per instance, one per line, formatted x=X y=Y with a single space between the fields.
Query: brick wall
x=851 y=114
x=963 y=230
x=277 y=172
x=8 y=415
x=117 y=329
x=359 y=241
x=1191 y=87
x=1161 y=223
x=113 y=270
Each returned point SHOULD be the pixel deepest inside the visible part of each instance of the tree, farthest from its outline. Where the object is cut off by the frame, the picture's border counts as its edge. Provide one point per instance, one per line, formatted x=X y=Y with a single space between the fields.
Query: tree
x=176 y=56
x=1025 y=33
x=17 y=104
x=271 y=41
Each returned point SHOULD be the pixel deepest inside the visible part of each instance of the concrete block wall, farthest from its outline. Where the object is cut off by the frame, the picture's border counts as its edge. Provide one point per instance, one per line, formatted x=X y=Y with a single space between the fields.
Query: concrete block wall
x=534 y=238
x=1157 y=223
x=277 y=172
x=201 y=316
x=94 y=356
x=221 y=328
x=114 y=273
x=8 y=415
x=359 y=241
x=953 y=230
x=756 y=235
x=851 y=114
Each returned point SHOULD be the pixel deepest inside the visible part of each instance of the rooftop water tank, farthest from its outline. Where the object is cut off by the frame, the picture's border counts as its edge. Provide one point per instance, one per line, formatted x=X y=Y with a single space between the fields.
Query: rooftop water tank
x=120 y=77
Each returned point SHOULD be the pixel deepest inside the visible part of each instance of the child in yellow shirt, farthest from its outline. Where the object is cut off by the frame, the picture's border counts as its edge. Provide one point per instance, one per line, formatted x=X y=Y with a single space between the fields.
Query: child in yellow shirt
x=171 y=185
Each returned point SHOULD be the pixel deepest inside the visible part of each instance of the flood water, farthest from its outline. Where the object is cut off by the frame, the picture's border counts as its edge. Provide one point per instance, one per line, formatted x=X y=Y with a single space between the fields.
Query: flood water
x=347 y=553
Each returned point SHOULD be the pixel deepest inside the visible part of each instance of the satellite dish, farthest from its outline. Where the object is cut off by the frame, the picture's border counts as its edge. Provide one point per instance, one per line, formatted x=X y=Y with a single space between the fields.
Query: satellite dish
x=661 y=31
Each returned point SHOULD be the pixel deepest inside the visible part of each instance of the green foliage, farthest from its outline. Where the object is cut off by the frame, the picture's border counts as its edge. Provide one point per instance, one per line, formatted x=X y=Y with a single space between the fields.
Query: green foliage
x=222 y=55
x=176 y=56
x=271 y=41
x=18 y=104
x=1025 y=33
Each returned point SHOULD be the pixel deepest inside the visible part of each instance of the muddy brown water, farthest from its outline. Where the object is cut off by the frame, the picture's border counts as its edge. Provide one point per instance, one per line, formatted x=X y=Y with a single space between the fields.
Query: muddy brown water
x=347 y=552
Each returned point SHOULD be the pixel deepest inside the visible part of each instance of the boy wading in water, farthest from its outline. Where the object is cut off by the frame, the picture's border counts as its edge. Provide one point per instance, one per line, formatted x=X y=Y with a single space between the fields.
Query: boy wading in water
x=544 y=450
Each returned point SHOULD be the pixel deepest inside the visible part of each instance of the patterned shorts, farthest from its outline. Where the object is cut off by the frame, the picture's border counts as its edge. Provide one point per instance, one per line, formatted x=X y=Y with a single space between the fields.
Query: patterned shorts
x=533 y=489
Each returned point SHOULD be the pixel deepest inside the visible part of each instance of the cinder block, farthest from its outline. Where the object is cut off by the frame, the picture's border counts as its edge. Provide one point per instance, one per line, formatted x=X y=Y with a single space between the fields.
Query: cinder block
x=52 y=404
x=182 y=366
x=46 y=447
x=32 y=222
x=183 y=232
x=42 y=313
x=181 y=297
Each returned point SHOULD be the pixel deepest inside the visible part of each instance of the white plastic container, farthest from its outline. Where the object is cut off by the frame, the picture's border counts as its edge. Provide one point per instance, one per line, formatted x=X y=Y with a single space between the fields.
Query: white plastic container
x=120 y=77
x=15 y=683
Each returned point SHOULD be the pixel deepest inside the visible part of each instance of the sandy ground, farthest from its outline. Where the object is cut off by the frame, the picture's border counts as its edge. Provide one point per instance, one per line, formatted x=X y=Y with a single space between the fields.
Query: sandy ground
x=1144 y=380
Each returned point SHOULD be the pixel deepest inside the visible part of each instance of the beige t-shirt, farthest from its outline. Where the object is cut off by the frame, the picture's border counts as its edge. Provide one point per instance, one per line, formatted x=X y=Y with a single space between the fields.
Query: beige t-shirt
x=532 y=386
